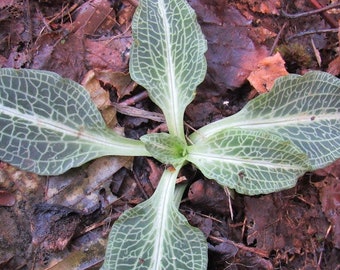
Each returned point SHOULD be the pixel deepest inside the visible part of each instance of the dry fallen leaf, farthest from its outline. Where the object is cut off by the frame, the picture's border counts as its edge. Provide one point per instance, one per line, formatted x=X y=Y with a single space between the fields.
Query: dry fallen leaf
x=330 y=200
x=267 y=71
x=122 y=82
x=210 y=196
x=334 y=67
x=99 y=95
x=231 y=54
x=111 y=53
x=53 y=226
x=330 y=197
x=265 y=7
x=6 y=198
x=93 y=16
x=80 y=190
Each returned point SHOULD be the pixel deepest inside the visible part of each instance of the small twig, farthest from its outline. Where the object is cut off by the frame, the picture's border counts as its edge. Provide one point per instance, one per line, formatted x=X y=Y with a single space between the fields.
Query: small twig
x=132 y=111
x=321 y=253
x=244 y=225
x=134 y=99
x=276 y=41
x=209 y=217
x=308 y=13
x=96 y=225
x=227 y=192
x=140 y=186
x=123 y=34
x=328 y=17
x=305 y=33
x=260 y=252
x=61 y=14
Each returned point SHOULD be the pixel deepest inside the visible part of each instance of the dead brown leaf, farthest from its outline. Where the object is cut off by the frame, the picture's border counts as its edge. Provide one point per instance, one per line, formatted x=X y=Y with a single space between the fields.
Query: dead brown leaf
x=155 y=173
x=267 y=71
x=73 y=50
x=53 y=226
x=289 y=222
x=265 y=7
x=334 y=67
x=330 y=198
x=122 y=82
x=210 y=196
x=6 y=198
x=109 y=54
x=60 y=52
x=99 y=96
x=82 y=191
x=231 y=54
x=94 y=16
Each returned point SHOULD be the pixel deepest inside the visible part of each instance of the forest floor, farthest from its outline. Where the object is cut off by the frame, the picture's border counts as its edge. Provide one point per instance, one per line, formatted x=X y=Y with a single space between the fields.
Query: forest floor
x=51 y=222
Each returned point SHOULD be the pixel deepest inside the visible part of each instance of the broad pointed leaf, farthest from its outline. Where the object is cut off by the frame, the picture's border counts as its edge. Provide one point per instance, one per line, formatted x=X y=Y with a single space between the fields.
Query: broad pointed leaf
x=167 y=56
x=154 y=235
x=251 y=162
x=49 y=124
x=303 y=109
x=166 y=148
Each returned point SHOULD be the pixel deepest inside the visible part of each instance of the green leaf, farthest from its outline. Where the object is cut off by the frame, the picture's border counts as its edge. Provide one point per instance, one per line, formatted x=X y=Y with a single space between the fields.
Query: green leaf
x=302 y=109
x=155 y=235
x=167 y=56
x=49 y=124
x=251 y=162
x=166 y=148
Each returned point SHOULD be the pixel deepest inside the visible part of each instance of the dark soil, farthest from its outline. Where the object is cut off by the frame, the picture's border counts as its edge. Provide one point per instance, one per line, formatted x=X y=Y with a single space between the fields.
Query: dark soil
x=51 y=222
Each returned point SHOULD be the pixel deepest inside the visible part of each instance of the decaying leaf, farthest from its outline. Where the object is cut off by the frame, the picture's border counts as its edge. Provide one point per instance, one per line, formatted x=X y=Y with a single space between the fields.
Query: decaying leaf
x=89 y=251
x=265 y=7
x=330 y=198
x=99 y=95
x=53 y=226
x=122 y=82
x=93 y=16
x=81 y=190
x=266 y=72
x=231 y=54
x=6 y=198
x=334 y=67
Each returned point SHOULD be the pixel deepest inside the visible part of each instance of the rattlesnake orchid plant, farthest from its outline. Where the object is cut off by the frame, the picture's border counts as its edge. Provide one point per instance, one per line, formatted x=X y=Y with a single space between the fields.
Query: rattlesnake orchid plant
x=49 y=125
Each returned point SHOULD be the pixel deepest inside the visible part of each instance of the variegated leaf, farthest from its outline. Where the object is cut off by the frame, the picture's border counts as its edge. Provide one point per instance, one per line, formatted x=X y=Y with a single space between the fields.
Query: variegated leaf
x=251 y=162
x=154 y=235
x=49 y=124
x=167 y=56
x=302 y=109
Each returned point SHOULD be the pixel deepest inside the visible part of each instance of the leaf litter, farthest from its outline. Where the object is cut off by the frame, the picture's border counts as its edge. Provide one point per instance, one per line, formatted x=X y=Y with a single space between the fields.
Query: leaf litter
x=293 y=229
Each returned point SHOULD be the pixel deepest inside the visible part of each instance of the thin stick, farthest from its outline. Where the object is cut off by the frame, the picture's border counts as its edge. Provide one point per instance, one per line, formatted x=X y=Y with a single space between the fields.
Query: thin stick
x=277 y=38
x=132 y=111
x=328 y=18
x=134 y=99
x=260 y=252
x=305 y=33
x=308 y=13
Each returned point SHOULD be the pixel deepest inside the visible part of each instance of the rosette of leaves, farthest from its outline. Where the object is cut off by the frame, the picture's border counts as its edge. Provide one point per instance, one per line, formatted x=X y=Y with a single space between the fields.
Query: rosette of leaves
x=49 y=124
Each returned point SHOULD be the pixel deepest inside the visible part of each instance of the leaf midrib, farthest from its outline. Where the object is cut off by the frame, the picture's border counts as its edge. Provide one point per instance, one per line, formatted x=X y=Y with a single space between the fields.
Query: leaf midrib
x=80 y=133
x=171 y=77
x=241 y=161
x=261 y=123
x=166 y=193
